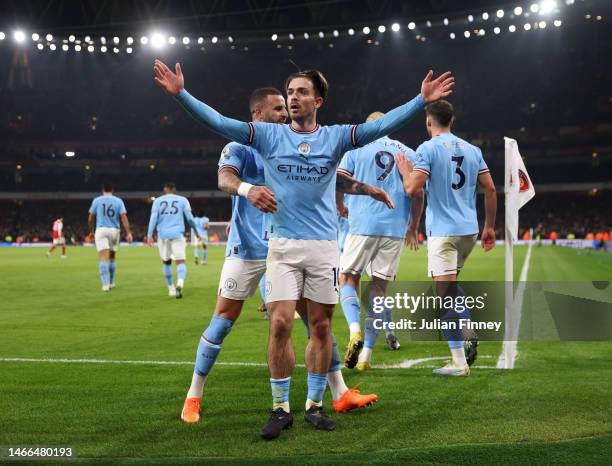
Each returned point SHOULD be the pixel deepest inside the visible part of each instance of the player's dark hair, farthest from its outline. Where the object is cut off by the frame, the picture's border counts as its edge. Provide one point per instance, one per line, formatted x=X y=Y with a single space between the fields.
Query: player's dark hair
x=321 y=87
x=170 y=186
x=107 y=187
x=260 y=94
x=441 y=111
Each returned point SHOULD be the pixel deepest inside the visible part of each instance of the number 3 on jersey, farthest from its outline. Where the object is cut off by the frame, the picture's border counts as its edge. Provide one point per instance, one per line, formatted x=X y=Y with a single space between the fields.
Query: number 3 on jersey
x=458 y=171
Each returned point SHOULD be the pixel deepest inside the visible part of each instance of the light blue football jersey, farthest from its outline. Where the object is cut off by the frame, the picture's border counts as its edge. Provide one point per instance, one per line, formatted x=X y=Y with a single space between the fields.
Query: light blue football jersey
x=248 y=237
x=374 y=164
x=453 y=166
x=300 y=168
x=168 y=215
x=202 y=232
x=343 y=230
x=107 y=209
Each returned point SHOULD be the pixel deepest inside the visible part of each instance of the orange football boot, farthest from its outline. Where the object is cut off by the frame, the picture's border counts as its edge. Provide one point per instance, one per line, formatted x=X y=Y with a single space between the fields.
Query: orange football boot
x=352 y=399
x=191 y=410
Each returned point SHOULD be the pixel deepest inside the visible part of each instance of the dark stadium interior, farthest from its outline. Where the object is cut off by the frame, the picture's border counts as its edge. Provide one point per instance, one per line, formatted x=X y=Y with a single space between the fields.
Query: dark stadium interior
x=549 y=89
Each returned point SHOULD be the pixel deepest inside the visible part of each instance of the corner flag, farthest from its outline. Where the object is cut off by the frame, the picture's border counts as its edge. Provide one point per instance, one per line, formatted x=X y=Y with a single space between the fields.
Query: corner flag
x=517 y=186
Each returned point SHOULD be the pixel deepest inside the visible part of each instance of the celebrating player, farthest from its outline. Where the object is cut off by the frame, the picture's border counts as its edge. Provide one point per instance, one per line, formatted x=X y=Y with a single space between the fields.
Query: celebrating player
x=58 y=237
x=167 y=213
x=375 y=240
x=241 y=174
x=300 y=159
x=453 y=169
x=104 y=215
x=200 y=242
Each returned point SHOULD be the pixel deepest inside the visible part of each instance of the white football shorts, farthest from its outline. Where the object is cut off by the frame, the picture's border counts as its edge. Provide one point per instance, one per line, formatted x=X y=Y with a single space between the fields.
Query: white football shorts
x=302 y=267
x=240 y=278
x=59 y=241
x=379 y=256
x=107 y=238
x=447 y=254
x=172 y=249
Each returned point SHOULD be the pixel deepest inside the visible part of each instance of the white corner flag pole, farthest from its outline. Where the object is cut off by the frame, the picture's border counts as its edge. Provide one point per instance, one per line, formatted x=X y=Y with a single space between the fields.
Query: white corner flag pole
x=518 y=190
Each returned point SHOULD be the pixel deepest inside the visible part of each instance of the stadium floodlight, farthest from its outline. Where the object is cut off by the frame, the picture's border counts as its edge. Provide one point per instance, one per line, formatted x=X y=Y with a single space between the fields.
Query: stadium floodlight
x=71 y=38
x=428 y=23
x=542 y=24
x=500 y=13
x=527 y=26
x=445 y=21
x=534 y=7
x=185 y=40
x=115 y=49
x=569 y=2
x=351 y=32
x=19 y=36
x=214 y=40
x=485 y=16
x=40 y=46
x=144 y=40
x=496 y=30
x=395 y=27
x=547 y=6
x=103 y=40
x=411 y=25
x=90 y=48
x=49 y=37
x=115 y=40
x=466 y=34
x=306 y=35
x=557 y=23
x=87 y=39
x=200 y=40
x=321 y=35
x=52 y=46
x=77 y=48
x=65 y=47
x=35 y=37
x=481 y=32
x=518 y=11
x=128 y=50
x=382 y=28
x=512 y=28
x=103 y=49
x=452 y=35
x=129 y=40
x=471 y=18
x=230 y=39
x=70 y=153
x=291 y=36
x=172 y=40
x=158 y=40
x=335 y=33
x=366 y=30
x=2 y=35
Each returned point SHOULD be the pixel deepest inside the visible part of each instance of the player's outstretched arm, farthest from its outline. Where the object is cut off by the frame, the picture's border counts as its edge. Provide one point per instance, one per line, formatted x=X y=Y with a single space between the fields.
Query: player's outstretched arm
x=348 y=185
x=126 y=225
x=260 y=196
x=173 y=83
x=488 y=232
x=431 y=90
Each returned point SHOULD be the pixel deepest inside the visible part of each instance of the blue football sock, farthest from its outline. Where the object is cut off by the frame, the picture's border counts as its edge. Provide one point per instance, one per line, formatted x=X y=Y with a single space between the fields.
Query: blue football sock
x=316 y=386
x=262 y=288
x=350 y=303
x=196 y=253
x=204 y=255
x=371 y=332
x=112 y=267
x=210 y=344
x=103 y=266
x=181 y=271
x=280 y=390
x=167 y=271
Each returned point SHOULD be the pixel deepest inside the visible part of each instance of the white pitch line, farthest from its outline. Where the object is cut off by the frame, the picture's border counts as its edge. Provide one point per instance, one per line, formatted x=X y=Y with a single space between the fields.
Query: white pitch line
x=512 y=346
x=411 y=363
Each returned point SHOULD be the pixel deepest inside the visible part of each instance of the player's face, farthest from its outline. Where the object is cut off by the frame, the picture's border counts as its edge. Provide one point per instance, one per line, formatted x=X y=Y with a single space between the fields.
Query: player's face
x=274 y=109
x=302 y=99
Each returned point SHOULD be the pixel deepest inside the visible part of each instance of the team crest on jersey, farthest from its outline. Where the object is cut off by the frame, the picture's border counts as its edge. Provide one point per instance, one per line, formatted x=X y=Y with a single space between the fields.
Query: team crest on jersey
x=304 y=149
x=225 y=153
x=230 y=284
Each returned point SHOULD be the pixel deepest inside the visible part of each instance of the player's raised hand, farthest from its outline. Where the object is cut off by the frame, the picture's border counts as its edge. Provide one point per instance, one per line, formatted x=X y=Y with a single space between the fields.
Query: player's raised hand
x=170 y=82
x=435 y=89
x=262 y=198
x=404 y=164
x=380 y=195
x=412 y=239
x=488 y=238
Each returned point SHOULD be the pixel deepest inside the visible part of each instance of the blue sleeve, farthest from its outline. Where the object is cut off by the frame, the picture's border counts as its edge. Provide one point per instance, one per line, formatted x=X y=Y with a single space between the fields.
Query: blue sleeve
x=92 y=209
x=153 y=219
x=347 y=164
x=265 y=137
x=232 y=156
x=392 y=121
x=229 y=128
x=423 y=160
x=122 y=207
x=482 y=165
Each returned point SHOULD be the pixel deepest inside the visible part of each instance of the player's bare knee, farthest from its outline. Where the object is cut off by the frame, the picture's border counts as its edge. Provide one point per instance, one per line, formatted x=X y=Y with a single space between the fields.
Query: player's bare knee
x=320 y=329
x=280 y=326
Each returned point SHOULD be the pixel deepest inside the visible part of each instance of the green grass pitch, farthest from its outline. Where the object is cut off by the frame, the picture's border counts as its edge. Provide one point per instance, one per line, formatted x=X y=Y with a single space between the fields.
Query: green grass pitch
x=554 y=408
